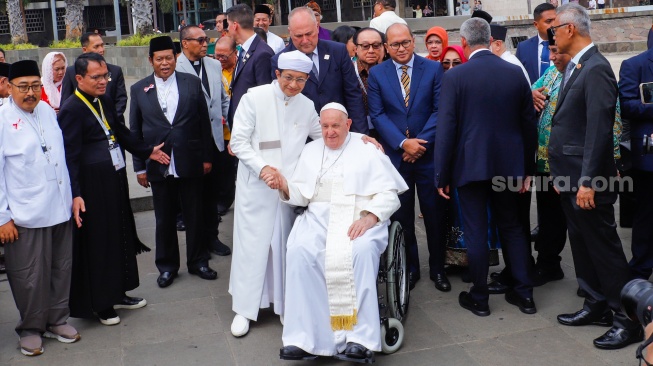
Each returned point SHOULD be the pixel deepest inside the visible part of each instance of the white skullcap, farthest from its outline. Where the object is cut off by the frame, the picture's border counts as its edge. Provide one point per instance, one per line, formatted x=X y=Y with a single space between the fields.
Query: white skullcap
x=336 y=106
x=295 y=60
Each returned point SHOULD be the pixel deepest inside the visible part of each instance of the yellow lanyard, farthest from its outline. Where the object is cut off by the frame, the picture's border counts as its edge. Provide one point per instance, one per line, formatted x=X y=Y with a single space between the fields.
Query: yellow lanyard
x=103 y=121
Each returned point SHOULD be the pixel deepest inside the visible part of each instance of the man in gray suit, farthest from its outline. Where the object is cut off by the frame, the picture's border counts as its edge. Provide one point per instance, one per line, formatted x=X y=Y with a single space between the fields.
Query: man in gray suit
x=582 y=167
x=193 y=61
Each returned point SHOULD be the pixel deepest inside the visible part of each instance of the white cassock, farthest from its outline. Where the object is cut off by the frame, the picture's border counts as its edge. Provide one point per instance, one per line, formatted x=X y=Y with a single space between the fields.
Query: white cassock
x=269 y=129
x=367 y=173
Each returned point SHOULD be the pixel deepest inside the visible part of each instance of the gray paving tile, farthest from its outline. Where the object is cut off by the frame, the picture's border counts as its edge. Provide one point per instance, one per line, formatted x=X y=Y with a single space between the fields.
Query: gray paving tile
x=463 y=326
x=420 y=332
x=169 y=321
x=209 y=349
x=57 y=357
x=453 y=355
x=545 y=347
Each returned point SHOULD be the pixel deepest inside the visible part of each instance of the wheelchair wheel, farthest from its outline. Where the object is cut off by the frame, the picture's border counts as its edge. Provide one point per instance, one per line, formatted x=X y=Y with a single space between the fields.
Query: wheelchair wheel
x=392 y=336
x=397 y=286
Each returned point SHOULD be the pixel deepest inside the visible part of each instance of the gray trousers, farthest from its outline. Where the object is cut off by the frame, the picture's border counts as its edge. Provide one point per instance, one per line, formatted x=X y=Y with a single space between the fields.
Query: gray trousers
x=39 y=267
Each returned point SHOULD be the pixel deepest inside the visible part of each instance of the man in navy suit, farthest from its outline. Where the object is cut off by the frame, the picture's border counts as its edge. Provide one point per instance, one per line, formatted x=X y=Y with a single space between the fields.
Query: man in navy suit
x=634 y=71
x=534 y=52
x=333 y=78
x=253 y=64
x=485 y=147
x=403 y=95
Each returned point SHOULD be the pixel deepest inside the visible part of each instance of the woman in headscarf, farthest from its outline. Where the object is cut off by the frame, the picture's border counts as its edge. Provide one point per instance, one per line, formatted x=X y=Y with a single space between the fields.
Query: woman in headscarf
x=436 y=40
x=323 y=33
x=52 y=71
x=452 y=56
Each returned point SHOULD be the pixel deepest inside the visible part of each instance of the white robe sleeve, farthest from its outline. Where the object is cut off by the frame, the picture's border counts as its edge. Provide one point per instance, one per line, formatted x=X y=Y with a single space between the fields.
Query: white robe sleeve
x=383 y=205
x=241 y=136
x=296 y=198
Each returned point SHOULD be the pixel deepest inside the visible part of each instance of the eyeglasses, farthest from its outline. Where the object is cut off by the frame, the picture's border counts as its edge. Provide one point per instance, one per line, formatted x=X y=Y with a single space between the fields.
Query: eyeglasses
x=434 y=43
x=106 y=76
x=553 y=29
x=224 y=57
x=25 y=88
x=395 y=46
x=451 y=63
x=366 y=46
x=200 y=40
x=290 y=79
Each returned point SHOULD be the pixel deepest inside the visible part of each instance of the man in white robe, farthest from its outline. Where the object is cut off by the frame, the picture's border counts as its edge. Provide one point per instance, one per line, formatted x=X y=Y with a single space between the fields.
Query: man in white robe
x=35 y=210
x=270 y=129
x=332 y=261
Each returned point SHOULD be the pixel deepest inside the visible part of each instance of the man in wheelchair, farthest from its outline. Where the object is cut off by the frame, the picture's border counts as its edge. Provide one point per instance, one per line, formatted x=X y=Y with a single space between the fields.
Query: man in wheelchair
x=350 y=190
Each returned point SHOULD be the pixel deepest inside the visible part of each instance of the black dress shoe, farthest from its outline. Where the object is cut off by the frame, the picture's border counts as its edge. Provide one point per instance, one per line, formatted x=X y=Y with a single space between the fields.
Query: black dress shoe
x=525 y=304
x=465 y=300
x=617 y=338
x=165 y=279
x=357 y=351
x=534 y=233
x=441 y=282
x=219 y=248
x=584 y=317
x=181 y=226
x=413 y=277
x=581 y=293
x=496 y=287
x=545 y=275
x=295 y=353
x=204 y=272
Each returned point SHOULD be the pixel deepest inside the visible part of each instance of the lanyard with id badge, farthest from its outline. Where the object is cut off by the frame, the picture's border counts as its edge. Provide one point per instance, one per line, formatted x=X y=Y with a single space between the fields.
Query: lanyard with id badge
x=114 y=149
x=50 y=171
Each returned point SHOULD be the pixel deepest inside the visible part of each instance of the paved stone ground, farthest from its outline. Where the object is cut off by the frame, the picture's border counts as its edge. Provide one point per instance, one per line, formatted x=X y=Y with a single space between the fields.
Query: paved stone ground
x=188 y=324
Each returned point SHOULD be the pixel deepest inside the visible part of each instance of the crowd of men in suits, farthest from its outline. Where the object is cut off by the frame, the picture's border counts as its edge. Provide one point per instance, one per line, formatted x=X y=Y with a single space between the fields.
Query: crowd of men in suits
x=442 y=131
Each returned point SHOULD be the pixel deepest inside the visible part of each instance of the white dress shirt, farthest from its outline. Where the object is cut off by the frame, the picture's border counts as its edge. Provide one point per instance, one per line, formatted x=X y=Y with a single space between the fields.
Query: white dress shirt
x=167 y=93
x=34 y=185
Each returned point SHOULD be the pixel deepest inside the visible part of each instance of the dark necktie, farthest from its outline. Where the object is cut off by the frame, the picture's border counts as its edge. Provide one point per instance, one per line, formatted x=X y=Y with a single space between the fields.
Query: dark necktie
x=239 y=65
x=405 y=82
x=544 y=59
x=310 y=55
x=567 y=75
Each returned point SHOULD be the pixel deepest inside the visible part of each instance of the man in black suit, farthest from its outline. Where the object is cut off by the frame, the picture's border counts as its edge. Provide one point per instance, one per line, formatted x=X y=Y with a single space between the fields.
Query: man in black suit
x=333 y=79
x=253 y=66
x=169 y=107
x=485 y=147
x=582 y=165
x=92 y=42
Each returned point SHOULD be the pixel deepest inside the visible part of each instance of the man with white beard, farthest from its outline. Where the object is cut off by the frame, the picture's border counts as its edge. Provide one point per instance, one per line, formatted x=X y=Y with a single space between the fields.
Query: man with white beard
x=333 y=250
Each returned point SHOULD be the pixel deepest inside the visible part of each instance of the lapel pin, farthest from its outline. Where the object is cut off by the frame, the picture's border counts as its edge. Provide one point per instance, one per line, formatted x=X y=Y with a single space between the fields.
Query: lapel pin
x=579 y=66
x=326 y=57
x=147 y=88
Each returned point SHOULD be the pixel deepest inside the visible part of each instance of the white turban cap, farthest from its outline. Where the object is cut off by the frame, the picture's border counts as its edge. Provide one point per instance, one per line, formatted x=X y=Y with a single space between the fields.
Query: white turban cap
x=336 y=106
x=295 y=60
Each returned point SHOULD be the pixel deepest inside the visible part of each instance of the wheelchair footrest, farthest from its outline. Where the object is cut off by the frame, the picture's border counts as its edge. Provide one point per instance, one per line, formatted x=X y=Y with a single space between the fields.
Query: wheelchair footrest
x=343 y=357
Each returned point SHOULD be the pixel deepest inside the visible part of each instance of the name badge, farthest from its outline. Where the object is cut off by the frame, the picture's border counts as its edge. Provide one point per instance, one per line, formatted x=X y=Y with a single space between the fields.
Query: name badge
x=50 y=172
x=116 y=157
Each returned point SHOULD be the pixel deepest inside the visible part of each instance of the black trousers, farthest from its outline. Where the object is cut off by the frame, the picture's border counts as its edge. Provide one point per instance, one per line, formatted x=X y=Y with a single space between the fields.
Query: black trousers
x=599 y=259
x=166 y=195
x=524 y=218
x=474 y=198
x=553 y=225
x=642 y=235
